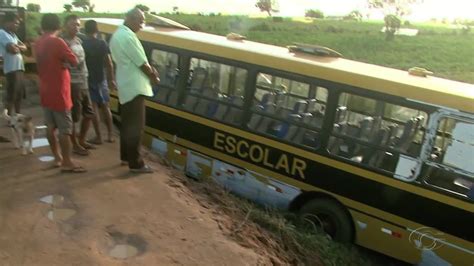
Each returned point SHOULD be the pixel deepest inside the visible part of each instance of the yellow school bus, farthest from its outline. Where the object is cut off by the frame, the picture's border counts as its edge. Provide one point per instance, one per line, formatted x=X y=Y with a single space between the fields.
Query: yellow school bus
x=379 y=157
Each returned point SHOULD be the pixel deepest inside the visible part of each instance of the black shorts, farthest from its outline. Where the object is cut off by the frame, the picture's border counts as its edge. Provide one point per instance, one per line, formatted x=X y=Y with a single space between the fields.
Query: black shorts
x=15 y=86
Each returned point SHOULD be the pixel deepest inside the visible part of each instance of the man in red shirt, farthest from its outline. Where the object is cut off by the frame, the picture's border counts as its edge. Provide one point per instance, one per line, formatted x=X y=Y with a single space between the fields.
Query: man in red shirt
x=52 y=57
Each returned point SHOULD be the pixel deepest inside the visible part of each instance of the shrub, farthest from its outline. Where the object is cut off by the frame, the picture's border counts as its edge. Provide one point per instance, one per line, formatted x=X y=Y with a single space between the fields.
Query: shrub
x=314 y=13
x=333 y=29
x=277 y=19
x=466 y=29
x=196 y=27
x=354 y=15
x=261 y=27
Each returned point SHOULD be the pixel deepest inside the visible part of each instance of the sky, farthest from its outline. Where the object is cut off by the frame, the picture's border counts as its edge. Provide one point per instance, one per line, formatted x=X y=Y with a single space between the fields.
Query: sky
x=430 y=9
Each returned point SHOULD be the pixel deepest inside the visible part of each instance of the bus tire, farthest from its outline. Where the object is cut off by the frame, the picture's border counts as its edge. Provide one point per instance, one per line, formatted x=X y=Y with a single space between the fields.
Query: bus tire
x=330 y=215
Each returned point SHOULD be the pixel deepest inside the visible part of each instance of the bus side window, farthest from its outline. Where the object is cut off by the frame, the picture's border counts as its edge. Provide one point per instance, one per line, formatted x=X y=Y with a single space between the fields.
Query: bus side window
x=216 y=91
x=454 y=145
x=288 y=109
x=375 y=133
x=166 y=64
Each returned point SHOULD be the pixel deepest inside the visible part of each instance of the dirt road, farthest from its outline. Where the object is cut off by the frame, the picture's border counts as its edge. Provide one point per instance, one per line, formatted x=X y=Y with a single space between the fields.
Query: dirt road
x=104 y=215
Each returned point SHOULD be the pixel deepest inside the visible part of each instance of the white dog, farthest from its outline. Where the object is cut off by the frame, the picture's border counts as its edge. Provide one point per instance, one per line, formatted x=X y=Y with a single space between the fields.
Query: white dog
x=23 y=131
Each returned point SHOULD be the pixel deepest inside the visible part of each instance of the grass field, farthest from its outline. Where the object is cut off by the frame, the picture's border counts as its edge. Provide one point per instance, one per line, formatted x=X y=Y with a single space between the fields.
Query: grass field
x=448 y=52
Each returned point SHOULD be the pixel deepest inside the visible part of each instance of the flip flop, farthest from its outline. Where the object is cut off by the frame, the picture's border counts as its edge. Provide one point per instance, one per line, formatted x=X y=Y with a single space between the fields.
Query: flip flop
x=76 y=169
x=88 y=146
x=95 y=142
x=81 y=152
x=111 y=140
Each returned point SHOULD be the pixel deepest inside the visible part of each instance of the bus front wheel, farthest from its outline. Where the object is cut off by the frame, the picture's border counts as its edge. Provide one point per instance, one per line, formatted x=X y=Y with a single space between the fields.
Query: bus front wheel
x=330 y=217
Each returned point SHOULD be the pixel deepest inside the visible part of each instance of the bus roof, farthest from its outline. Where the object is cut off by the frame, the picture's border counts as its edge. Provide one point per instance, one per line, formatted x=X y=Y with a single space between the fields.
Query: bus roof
x=431 y=90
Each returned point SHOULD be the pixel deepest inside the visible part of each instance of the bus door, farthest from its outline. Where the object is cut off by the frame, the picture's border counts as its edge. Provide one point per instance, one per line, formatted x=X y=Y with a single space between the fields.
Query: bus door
x=449 y=164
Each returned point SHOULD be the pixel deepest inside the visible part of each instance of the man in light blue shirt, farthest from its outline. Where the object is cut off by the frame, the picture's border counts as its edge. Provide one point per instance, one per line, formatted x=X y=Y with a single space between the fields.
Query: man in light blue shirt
x=133 y=76
x=13 y=67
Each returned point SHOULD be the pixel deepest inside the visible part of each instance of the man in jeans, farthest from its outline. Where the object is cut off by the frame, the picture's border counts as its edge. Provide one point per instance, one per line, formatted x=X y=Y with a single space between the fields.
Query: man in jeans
x=133 y=75
x=10 y=49
x=79 y=86
x=51 y=56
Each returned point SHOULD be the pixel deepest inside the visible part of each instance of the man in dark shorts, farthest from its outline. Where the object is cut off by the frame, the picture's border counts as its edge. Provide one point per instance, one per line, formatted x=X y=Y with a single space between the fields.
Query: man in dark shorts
x=13 y=67
x=79 y=86
x=55 y=93
x=98 y=60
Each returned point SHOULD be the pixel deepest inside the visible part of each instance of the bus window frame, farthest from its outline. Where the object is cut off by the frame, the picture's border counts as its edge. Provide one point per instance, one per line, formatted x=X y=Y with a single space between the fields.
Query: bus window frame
x=394 y=100
x=186 y=56
x=430 y=163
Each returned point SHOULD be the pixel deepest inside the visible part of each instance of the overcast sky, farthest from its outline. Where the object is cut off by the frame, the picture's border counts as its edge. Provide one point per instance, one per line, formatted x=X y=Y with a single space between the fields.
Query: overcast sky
x=431 y=8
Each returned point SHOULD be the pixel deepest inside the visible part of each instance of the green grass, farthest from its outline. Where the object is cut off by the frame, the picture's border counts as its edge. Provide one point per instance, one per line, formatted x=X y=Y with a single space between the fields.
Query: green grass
x=447 y=52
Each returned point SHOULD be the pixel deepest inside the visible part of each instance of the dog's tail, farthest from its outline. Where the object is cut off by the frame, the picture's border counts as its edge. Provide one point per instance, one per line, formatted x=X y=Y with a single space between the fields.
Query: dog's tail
x=5 y=114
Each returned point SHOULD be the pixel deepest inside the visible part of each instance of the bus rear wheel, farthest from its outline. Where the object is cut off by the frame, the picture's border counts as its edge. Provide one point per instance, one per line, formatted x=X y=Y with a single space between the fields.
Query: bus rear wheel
x=328 y=216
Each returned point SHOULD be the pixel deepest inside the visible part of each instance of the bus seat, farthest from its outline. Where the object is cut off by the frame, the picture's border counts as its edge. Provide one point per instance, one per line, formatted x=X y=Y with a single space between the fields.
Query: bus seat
x=284 y=113
x=170 y=76
x=256 y=117
x=202 y=106
x=199 y=78
x=378 y=157
x=221 y=111
x=341 y=114
x=190 y=103
x=298 y=138
x=267 y=98
x=173 y=98
x=409 y=133
x=365 y=128
x=313 y=120
x=279 y=129
x=162 y=95
x=264 y=123
x=292 y=131
x=364 y=132
x=370 y=153
x=254 y=121
x=335 y=143
x=234 y=115
x=311 y=105
x=300 y=107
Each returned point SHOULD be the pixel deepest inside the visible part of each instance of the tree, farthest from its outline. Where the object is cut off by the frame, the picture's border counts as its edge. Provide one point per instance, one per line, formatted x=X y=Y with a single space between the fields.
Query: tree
x=176 y=9
x=398 y=8
x=143 y=8
x=312 y=13
x=354 y=15
x=268 y=6
x=84 y=4
x=393 y=11
x=67 y=8
x=392 y=24
x=33 y=7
